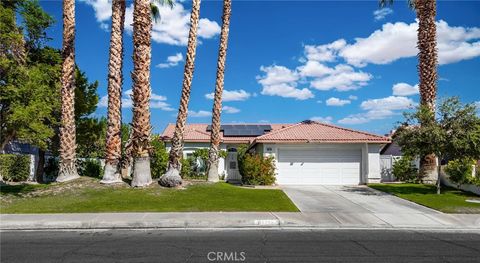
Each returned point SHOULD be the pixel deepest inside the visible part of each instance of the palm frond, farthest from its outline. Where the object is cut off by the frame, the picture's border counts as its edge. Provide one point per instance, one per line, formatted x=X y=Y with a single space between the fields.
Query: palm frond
x=385 y=3
x=155 y=12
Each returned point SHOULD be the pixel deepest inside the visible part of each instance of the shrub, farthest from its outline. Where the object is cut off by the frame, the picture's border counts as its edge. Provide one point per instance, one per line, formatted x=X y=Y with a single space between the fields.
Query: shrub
x=159 y=158
x=460 y=171
x=186 y=170
x=404 y=170
x=14 y=167
x=257 y=170
x=90 y=168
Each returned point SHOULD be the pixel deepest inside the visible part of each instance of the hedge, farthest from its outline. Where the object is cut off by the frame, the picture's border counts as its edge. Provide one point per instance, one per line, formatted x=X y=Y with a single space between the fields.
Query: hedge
x=14 y=167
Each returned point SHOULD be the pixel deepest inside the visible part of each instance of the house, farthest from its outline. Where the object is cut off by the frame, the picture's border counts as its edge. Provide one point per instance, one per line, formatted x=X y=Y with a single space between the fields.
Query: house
x=308 y=152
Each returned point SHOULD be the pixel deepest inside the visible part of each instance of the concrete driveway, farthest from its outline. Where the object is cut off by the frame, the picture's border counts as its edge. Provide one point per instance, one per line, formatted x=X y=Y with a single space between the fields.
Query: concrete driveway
x=359 y=206
x=349 y=199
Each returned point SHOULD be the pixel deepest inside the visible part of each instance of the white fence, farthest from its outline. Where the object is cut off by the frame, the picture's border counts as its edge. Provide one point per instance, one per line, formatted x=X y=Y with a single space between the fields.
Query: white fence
x=386 y=164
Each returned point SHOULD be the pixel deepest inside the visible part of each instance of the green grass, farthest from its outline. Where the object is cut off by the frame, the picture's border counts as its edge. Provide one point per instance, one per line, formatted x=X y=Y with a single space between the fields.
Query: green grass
x=449 y=201
x=202 y=197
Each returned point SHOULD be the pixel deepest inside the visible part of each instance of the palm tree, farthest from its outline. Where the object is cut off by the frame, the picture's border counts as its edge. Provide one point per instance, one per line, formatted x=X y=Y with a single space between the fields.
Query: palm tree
x=141 y=128
x=113 y=149
x=217 y=103
x=427 y=66
x=67 y=167
x=172 y=177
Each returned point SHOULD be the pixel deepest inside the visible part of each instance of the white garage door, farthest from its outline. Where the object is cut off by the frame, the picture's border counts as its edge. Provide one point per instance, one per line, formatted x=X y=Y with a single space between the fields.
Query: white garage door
x=318 y=166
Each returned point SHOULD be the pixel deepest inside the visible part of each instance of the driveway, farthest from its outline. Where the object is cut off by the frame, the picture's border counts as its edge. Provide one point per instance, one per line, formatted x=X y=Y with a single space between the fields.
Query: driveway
x=360 y=206
x=349 y=199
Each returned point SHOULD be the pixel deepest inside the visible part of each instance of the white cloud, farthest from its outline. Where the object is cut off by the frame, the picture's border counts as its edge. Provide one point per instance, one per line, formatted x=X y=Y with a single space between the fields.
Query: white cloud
x=337 y=102
x=314 y=69
x=172 y=61
x=324 y=53
x=380 y=14
x=231 y=95
x=352 y=97
x=156 y=101
x=228 y=109
x=343 y=78
x=377 y=109
x=382 y=46
x=404 y=89
x=327 y=119
x=388 y=103
x=199 y=114
x=281 y=81
x=172 y=28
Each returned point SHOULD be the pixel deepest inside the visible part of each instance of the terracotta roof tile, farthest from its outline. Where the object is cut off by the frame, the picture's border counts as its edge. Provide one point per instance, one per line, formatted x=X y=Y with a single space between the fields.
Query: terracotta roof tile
x=311 y=131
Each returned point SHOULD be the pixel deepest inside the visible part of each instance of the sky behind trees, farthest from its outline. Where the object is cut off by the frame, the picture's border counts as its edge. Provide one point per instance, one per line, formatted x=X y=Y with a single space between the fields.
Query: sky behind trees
x=347 y=63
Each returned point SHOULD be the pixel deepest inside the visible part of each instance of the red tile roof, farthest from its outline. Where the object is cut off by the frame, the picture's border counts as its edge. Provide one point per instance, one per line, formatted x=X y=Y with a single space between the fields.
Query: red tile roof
x=306 y=131
x=312 y=131
x=197 y=132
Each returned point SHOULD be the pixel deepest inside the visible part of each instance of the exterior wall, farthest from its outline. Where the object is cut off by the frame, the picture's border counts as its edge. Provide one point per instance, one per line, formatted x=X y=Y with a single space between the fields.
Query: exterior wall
x=370 y=164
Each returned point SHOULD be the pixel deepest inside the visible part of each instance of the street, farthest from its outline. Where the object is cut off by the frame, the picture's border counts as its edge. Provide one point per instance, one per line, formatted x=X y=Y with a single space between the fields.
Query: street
x=252 y=245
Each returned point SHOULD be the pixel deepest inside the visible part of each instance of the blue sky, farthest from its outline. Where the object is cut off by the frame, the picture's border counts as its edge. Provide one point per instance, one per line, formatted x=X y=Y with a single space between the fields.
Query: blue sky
x=347 y=63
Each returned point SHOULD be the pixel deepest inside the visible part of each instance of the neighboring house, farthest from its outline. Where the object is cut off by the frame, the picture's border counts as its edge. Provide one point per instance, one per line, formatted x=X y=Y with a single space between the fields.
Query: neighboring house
x=308 y=152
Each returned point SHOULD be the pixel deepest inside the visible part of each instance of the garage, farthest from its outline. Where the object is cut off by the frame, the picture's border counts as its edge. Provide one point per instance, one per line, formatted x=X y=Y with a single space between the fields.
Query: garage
x=327 y=166
x=314 y=153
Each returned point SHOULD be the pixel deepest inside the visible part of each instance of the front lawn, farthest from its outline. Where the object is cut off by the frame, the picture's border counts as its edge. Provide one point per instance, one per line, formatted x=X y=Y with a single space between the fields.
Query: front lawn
x=87 y=195
x=449 y=201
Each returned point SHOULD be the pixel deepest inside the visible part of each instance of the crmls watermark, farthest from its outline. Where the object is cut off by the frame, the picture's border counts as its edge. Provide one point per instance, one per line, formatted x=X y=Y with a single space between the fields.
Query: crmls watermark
x=221 y=256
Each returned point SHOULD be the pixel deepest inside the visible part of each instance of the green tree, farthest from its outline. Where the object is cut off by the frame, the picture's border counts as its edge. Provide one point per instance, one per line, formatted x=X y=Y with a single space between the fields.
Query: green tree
x=30 y=85
x=453 y=132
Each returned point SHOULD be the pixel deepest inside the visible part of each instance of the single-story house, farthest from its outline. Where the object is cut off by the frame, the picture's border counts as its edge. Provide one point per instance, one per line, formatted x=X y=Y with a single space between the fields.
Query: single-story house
x=308 y=152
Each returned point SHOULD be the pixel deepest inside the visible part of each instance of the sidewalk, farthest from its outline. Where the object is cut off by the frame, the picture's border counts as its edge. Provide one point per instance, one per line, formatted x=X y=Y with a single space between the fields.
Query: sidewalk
x=198 y=220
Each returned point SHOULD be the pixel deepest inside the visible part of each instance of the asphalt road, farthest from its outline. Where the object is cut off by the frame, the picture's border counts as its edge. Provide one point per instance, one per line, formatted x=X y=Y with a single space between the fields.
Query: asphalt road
x=240 y=246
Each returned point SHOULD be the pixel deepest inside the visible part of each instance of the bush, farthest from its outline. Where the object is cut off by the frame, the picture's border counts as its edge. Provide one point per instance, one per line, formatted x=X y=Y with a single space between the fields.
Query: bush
x=14 y=167
x=256 y=169
x=404 y=170
x=186 y=171
x=460 y=171
x=90 y=168
x=158 y=159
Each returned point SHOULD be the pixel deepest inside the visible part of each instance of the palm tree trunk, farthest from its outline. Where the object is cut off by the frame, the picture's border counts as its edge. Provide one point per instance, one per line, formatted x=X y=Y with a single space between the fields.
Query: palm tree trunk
x=427 y=69
x=141 y=128
x=67 y=167
x=113 y=147
x=217 y=104
x=172 y=177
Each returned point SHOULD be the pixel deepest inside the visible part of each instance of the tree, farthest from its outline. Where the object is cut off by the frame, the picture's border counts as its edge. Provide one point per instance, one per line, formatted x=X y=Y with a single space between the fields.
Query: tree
x=67 y=168
x=217 y=101
x=113 y=150
x=427 y=65
x=141 y=127
x=453 y=133
x=172 y=177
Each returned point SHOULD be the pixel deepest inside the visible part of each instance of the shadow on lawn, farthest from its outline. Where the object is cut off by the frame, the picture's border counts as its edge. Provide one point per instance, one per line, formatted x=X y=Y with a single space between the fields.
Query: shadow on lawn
x=19 y=189
x=419 y=189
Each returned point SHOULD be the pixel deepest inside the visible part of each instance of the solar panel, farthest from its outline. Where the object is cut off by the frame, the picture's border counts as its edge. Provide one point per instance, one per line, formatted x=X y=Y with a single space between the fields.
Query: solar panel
x=243 y=129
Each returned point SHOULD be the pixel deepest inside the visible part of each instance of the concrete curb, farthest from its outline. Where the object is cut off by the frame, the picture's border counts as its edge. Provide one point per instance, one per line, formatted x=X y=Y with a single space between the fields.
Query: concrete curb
x=236 y=220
